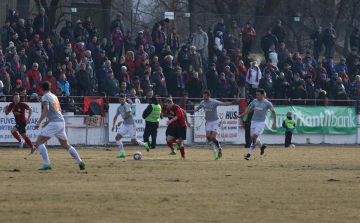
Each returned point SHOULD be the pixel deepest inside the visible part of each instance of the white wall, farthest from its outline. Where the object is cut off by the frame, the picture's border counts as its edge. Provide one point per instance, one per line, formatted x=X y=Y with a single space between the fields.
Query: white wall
x=76 y=130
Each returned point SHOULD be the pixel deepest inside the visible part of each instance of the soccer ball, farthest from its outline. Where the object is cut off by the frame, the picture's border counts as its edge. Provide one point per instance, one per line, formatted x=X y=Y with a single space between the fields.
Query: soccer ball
x=137 y=156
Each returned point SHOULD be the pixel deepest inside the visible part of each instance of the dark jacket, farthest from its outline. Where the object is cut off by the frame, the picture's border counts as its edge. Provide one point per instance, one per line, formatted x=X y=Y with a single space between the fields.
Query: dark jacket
x=212 y=79
x=279 y=87
x=117 y=23
x=67 y=31
x=220 y=27
x=344 y=99
x=195 y=88
x=211 y=40
x=280 y=33
x=355 y=38
x=29 y=30
x=267 y=85
x=267 y=41
x=319 y=38
x=129 y=44
x=41 y=21
x=233 y=89
x=183 y=58
x=83 y=80
x=299 y=94
x=327 y=38
x=111 y=86
x=21 y=31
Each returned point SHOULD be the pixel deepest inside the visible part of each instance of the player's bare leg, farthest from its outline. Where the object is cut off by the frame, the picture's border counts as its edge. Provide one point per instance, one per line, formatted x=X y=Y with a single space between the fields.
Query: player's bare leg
x=28 y=141
x=212 y=144
x=14 y=132
x=120 y=145
x=182 y=148
x=64 y=144
x=214 y=139
x=170 y=140
x=43 y=152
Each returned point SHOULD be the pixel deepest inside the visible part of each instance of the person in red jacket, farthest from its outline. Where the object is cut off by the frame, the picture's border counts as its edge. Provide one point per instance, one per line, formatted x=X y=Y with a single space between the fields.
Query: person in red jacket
x=50 y=78
x=32 y=76
x=248 y=34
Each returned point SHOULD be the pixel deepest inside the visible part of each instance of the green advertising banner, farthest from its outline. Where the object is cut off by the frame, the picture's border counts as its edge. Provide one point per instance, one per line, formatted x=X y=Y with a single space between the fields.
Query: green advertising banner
x=317 y=120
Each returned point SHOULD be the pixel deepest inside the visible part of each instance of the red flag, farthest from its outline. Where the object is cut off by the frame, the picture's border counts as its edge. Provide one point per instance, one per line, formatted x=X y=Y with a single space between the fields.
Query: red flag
x=93 y=106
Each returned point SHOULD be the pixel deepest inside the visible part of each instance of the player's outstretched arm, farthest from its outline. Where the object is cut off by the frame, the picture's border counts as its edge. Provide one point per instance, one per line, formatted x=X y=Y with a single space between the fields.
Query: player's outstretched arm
x=228 y=103
x=114 y=121
x=245 y=113
x=186 y=118
x=29 y=116
x=44 y=113
x=274 y=115
x=7 y=110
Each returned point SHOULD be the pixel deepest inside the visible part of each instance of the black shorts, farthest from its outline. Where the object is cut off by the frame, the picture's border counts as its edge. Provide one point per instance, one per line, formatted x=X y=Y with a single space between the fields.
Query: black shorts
x=21 y=127
x=177 y=132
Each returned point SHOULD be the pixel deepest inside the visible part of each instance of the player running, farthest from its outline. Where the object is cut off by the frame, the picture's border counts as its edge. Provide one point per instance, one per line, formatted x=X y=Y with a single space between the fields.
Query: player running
x=127 y=126
x=54 y=126
x=212 y=121
x=176 y=126
x=260 y=106
x=165 y=112
x=18 y=108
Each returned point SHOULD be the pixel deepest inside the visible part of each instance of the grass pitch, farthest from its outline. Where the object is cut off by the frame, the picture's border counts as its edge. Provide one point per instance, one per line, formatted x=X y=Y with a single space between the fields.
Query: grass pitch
x=302 y=184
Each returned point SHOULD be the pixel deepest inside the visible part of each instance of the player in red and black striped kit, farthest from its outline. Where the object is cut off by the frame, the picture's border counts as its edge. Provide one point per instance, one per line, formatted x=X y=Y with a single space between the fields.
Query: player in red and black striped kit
x=18 y=108
x=176 y=126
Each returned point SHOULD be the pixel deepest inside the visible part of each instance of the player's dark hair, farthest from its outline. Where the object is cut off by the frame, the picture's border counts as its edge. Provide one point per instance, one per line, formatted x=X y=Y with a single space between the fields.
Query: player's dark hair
x=16 y=94
x=121 y=95
x=261 y=91
x=207 y=92
x=46 y=86
x=168 y=100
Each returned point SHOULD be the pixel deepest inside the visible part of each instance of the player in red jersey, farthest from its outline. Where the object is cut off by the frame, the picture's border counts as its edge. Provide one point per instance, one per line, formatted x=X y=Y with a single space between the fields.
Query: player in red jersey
x=176 y=126
x=18 y=108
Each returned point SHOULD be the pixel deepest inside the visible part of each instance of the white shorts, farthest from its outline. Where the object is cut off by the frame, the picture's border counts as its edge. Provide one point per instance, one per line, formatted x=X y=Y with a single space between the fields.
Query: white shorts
x=212 y=126
x=124 y=129
x=56 y=129
x=257 y=128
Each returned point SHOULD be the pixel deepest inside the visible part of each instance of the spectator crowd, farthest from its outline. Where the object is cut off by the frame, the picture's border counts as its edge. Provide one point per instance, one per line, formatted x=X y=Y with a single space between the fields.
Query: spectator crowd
x=78 y=62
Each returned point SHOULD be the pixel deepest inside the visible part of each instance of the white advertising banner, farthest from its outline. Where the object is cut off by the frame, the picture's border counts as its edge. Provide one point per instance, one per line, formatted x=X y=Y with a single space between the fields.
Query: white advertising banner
x=229 y=127
x=7 y=122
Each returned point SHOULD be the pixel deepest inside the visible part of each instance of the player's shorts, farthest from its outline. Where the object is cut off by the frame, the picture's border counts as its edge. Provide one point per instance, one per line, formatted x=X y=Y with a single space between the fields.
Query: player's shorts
x=21 y=127
x=178 y=132
x=124 y=129
x=56 y=129
x=257 y=128
x=212 y=126
x=169 y=129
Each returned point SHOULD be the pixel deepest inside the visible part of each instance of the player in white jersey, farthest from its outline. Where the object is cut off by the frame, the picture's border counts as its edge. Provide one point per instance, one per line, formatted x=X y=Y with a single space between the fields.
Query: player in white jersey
x=260 y=106
x=127 y=126
x=54 y=126
x=212 y=120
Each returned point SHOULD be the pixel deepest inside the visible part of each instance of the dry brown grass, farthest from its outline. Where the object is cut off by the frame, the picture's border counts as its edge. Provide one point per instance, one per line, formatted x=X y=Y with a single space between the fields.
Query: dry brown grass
x=302 y=184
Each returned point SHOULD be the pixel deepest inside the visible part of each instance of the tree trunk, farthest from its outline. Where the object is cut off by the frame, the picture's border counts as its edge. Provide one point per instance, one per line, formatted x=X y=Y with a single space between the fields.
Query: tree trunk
x=106 y=6
x=192 y=19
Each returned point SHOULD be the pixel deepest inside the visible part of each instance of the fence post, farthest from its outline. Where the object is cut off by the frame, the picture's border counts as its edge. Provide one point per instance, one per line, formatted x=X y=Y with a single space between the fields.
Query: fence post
x=87 y=126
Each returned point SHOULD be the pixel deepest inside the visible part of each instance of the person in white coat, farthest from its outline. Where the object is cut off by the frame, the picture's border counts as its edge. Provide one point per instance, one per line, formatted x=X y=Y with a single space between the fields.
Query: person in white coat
x=219 y=40
x=253 y=77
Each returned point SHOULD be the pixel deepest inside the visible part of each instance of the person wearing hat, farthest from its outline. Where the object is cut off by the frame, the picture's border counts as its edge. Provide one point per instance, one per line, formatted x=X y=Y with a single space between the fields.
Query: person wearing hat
x=248 y=35
x=173 y=41
x=317 y=36
x=324 y=84
x=41 y=21
x=220 y=26
x=79 y=30
x=298 y=67
x=279 y=31
x=17 y=88
x=118 y=22
x=329 y=38
x=308 y=57
x=110 y=85
x=320 y=96
x=267 y=41
x=152 y=117
x=6 y=33
x=140 y=40
x=200 y=41
x=341 y=65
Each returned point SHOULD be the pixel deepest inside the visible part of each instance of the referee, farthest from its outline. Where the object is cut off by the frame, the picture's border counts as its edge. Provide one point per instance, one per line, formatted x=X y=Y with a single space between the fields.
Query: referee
x=152 y=116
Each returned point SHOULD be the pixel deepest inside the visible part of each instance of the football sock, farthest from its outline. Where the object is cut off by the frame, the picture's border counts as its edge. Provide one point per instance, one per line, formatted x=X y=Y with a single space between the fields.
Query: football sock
x=258 y=142
x=216 y=143
x=170 y=144
x=44 y=153
x=252 y=148
x=140 y=143
x=120 y=145
x=212 y=146
x=74 y=154
x=28 y=141
x=182 y=151
x=16 y=136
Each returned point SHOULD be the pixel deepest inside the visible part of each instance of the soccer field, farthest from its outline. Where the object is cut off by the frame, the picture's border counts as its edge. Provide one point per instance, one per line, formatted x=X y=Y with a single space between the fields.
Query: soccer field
x=302 y=184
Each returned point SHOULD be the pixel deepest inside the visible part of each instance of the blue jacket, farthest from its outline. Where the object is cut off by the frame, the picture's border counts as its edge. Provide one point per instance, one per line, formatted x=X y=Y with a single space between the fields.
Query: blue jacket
x=220 y=27
x=65 y=86
x=341 y=66
x=297 y=68
x=313 y=61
